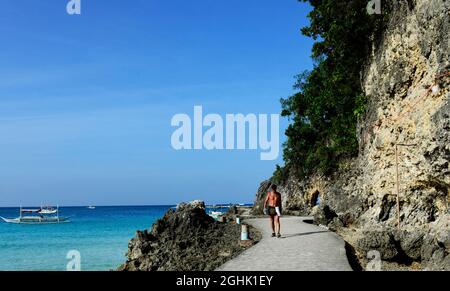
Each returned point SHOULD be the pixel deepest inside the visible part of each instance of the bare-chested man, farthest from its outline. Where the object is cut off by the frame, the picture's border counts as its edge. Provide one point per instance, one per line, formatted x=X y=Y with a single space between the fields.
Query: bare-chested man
x=272 y=207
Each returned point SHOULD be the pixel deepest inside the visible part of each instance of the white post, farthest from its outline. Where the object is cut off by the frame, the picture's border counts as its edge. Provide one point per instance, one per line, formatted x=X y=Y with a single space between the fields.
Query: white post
x=244 y=232
x=238 y=220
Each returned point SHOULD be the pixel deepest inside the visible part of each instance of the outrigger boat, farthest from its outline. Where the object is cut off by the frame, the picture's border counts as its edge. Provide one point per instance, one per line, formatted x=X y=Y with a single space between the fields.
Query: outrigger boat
x=37 y=216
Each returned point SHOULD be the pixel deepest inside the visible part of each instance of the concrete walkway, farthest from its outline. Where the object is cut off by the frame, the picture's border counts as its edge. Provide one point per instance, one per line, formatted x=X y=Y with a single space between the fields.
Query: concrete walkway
x=302 y=247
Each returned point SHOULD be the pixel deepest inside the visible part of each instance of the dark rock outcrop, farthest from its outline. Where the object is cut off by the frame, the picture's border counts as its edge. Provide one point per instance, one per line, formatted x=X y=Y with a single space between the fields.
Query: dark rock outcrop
x=411 y=244
x=325 y=215
x=381 y=241
x=185 y=239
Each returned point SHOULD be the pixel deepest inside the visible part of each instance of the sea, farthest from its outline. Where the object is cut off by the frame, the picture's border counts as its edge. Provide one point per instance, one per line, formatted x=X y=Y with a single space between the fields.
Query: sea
x=97 y=238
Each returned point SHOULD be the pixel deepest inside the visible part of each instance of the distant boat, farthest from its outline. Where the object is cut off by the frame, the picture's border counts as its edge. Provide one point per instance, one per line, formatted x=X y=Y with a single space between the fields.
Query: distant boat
x=47 y=210
x=215 y=214
x=91 y=207
x=37 y=216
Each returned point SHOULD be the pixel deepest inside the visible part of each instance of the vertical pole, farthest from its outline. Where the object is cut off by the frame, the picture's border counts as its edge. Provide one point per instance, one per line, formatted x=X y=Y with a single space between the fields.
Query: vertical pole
x=398 y=187
x=244 y=232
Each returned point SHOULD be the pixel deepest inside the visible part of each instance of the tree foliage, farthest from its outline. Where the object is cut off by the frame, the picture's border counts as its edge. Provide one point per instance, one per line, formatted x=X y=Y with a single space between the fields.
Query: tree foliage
x=329 y=98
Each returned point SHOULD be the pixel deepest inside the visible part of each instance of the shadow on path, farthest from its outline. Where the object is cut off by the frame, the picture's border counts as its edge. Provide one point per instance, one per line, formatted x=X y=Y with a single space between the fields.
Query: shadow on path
x=302 y=234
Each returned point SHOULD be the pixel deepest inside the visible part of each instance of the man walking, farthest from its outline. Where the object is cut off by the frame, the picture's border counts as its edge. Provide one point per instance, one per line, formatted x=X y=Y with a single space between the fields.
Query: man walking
x=272 y=207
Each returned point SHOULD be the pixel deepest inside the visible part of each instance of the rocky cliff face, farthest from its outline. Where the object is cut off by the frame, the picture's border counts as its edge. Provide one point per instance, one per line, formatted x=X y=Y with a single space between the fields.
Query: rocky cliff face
x=185 y=239
x=407 y=83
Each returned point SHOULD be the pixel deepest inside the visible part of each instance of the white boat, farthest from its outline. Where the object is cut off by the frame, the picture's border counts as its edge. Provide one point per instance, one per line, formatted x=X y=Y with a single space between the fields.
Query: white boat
x=215 y=214
x=38 y=216
x=47 y=210
x=91 y=207
x=35 y=220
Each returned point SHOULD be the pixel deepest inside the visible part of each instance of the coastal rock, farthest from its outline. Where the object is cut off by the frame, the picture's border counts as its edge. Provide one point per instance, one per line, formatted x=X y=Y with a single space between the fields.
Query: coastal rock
x=411 y=244
x=185 y=239
x=193 y=204
x=324 y=215
x=380 y=241
x=231 y=214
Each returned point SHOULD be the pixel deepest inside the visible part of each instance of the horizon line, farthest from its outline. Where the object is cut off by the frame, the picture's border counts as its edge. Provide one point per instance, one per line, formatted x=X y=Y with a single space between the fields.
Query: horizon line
x=126 y=205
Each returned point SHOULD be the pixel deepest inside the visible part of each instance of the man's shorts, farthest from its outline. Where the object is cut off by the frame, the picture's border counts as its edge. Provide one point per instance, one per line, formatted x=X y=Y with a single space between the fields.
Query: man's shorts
x=271 y=211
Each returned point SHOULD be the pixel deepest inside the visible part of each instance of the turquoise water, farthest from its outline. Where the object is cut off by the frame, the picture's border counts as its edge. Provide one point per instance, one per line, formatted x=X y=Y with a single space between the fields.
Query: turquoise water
x=100 y=235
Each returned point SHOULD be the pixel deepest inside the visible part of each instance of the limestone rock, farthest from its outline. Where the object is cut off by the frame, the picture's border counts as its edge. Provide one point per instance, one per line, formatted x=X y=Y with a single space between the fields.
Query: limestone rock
x=380 y=241
x=185 y=239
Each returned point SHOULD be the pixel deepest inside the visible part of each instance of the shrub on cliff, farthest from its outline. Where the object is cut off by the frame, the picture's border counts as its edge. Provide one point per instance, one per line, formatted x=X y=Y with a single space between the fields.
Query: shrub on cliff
x=329 y=100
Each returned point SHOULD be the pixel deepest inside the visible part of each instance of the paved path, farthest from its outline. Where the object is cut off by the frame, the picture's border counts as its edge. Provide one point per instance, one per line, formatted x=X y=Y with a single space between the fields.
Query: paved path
x=302 y=247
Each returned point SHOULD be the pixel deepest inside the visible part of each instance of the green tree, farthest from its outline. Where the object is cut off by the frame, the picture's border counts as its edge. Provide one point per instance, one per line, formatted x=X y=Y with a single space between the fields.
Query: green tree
x=329 y=98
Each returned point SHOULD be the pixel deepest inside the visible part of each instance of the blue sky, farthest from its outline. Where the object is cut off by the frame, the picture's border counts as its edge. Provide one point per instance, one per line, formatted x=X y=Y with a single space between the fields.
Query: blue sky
x=86 y=101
